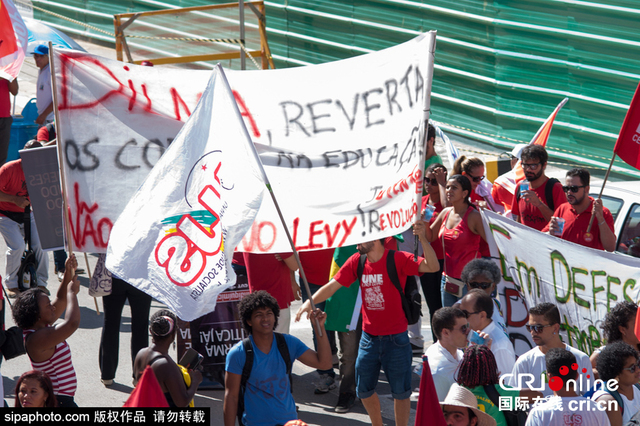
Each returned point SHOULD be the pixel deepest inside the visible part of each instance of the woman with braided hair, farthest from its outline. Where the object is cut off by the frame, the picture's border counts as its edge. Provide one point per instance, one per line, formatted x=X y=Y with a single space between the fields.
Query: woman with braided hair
x=163 y=325
x=478 y=372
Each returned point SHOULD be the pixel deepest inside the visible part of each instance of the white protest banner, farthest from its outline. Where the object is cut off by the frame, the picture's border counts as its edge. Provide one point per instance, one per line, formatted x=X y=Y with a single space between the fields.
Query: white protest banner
x=584 y=283
x=340 y=141
x=175 y=238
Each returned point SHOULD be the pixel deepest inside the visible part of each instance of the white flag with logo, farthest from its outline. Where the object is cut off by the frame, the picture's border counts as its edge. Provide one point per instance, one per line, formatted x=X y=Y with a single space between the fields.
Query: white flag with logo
x=176 y=236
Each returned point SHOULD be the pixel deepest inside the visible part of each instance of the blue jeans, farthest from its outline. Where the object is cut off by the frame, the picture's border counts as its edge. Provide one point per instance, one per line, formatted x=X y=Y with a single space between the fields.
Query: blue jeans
x=449 y=299
x=393 y=354
x=330 y=334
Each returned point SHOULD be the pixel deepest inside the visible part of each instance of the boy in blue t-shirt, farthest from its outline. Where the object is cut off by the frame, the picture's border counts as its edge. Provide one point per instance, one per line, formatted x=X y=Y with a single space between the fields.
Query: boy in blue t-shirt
x=267 y=397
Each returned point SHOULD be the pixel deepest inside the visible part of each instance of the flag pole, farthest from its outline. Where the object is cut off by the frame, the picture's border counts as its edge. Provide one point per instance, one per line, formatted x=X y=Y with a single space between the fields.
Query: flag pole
x=425 y=127
x=606 y=176
x=273 y=197
x=65 y=203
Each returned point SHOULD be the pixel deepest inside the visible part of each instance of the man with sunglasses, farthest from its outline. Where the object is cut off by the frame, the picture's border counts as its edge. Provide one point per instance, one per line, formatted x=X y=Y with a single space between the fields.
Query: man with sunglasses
x=478 y=308
x=577 y=215
x=534 y=207
x=451 y=328
x=544 y=326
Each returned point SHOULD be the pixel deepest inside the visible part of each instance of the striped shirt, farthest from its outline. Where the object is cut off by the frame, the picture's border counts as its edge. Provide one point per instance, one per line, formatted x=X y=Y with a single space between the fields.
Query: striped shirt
x=59 y=368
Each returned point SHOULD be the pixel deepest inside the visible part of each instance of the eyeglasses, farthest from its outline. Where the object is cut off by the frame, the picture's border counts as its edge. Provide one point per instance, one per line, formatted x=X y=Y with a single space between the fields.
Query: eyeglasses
x=483 y=286
x=468 y=314
x=530 y=165
x=572 y=188
x=537 y=328
x=633 y=368
x=431 y=181
x=464 y=329
x=476 y=179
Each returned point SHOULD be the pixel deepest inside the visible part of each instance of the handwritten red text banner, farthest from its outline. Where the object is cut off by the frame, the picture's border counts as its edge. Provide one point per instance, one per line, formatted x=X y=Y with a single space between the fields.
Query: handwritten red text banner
x=340 y=141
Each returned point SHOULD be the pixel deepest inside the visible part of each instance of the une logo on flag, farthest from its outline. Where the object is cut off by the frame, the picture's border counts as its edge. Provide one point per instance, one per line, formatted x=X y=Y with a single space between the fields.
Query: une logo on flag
x=186 y=249
x=636 y=137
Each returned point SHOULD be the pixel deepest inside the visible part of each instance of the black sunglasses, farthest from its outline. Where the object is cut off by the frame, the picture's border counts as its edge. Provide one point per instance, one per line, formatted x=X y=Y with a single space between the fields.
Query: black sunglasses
x=468 y=314
x=537 y=328
x=572 y=188
x=431 y=181
x=483 y=286
x=476 y=179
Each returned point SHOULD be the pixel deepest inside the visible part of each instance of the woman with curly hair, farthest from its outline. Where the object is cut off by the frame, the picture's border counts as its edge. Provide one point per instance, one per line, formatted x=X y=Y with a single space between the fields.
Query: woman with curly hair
x=618 y=325
x=620 y=362
x=45 y=343
x=34 y=389
x=478 y=372
x=163 y=326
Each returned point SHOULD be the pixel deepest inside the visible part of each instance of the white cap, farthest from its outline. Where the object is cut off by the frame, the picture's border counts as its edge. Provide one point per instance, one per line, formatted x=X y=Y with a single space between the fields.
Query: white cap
x=517 y=150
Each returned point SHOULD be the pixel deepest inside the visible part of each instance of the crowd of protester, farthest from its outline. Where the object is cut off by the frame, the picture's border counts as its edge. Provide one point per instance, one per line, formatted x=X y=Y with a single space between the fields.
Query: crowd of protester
x=477 y=376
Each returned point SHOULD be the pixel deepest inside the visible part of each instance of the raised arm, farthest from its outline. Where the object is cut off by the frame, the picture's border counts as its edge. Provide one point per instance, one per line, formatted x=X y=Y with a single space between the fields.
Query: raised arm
x=320 y=360
x=430 y=262
x=325 y=292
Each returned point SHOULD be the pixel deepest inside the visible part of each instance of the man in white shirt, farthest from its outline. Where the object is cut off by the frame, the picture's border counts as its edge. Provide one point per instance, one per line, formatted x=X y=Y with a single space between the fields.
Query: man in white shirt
x=44 y=95
x=566 y=407
x=478 y=306
x=544 y=326
x=451 y=328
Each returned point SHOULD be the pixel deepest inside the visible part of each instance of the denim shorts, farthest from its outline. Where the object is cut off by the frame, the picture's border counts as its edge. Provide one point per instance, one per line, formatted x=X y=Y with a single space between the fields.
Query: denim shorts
x=393 y=354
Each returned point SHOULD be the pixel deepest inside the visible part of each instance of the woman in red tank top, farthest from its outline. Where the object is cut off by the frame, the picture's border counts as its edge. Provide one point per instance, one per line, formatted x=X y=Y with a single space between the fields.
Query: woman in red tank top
x=459 y=229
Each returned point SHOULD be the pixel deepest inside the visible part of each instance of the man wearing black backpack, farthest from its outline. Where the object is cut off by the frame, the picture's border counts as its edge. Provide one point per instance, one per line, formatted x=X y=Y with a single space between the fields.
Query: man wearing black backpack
x=258 y=369
x=535 y=206
x=385 y=342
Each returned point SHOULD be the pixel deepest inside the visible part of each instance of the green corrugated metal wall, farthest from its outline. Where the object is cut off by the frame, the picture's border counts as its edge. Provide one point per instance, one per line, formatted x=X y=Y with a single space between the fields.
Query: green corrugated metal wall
x=501 y=66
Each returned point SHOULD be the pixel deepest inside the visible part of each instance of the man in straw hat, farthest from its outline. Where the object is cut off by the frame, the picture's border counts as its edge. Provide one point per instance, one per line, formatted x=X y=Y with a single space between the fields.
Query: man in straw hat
x=460 y=408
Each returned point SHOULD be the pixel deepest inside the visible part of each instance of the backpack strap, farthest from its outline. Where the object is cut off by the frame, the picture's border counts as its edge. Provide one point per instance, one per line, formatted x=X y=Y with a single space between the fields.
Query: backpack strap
x=392 y=271
x=492 y=393
x=246 y=372
x=618 y=398
x=548 y=192
x=284 y=353
x=361 y=262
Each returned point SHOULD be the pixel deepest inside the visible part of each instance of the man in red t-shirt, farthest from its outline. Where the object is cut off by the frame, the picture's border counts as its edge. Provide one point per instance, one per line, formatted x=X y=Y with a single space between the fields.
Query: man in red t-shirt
x=274 y=274
x=577 y=214
x=6 y=87
x=13 y=200
x=385 y=341
x=531 y=207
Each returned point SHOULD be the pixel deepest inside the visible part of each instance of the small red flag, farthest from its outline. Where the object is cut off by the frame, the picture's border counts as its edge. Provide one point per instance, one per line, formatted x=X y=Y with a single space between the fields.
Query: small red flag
x=147 y=392
x=628 y=143
x=636 y=330
x=428 y=411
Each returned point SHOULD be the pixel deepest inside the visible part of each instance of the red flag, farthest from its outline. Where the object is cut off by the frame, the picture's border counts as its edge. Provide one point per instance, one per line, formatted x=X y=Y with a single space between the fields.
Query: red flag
x=147 y=392
x=508 y=181
x=428 y=411
x=541 y=137
x=628 y=143
x=13 y=40
x=636 y=330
